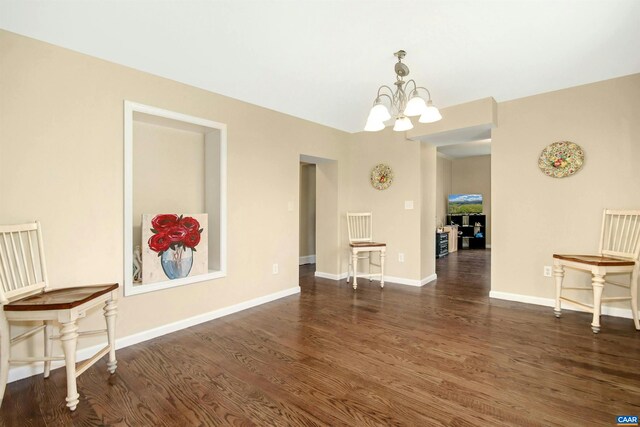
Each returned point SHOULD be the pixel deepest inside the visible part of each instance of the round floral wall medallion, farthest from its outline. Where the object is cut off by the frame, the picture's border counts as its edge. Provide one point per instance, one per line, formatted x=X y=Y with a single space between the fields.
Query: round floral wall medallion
x=381 y=177
x=561 y=159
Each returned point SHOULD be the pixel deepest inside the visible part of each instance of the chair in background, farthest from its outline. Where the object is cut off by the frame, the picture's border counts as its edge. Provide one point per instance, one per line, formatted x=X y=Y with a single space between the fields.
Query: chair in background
x=617 y=255
x=453 y=237
x=361 y=245
x=25 y=297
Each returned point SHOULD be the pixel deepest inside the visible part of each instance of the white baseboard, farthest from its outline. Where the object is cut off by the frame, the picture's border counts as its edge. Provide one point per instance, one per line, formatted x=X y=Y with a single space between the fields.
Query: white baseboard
x=331 y=276
x=551 y=302
x=391 y=279
x=428 y=279
x=402 y=281
x=488 y=246
x=25 y=371
x=307 y=259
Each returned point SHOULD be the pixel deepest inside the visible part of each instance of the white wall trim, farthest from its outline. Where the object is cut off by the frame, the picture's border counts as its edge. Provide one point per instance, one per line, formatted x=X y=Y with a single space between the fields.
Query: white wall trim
x=308 y=259
x=488 y=246
x=390 y=279
x=551 y=302
x=331 y=276
x=402 y=281
x=24 y=371
x=428 y=279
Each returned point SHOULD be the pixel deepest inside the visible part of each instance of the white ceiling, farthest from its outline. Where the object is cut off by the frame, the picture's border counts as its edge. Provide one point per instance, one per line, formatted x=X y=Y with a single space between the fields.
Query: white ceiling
x=324 y=60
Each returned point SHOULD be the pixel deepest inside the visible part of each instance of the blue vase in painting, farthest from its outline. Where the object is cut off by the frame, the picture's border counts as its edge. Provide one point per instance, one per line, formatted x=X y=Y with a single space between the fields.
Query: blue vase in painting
x=177 y=263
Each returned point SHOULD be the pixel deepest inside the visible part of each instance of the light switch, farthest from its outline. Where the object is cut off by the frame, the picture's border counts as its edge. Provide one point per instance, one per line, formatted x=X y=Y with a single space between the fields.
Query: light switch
x=408 y=204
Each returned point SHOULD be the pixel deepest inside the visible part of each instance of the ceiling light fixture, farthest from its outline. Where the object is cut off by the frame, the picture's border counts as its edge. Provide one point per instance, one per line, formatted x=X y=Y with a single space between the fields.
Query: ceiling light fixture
x=400 y=104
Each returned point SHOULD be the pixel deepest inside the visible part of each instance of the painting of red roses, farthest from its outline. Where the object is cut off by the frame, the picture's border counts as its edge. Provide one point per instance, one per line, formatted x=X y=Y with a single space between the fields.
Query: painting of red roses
x=175 y=246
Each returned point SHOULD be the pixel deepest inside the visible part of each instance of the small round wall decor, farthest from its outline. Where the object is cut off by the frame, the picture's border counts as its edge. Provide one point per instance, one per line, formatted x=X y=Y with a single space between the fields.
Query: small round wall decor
x=381 y=177
x=561 y=159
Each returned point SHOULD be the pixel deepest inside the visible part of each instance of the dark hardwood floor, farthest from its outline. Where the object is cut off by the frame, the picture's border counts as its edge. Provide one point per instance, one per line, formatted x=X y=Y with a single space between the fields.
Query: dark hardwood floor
x=443 y=354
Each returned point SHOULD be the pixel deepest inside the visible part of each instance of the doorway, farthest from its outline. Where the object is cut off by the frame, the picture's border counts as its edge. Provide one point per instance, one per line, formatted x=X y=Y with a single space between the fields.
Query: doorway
x=319 y=230
x=307 y=223
x=463 y=172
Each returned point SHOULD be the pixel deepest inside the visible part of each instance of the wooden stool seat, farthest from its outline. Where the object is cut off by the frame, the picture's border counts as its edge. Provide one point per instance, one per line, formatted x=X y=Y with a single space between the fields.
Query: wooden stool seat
x=366 y=244
x=60 y=299
x=595 y=260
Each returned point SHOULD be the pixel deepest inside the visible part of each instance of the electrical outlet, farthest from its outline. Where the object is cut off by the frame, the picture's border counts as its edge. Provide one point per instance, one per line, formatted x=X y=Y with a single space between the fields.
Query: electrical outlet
x=400 y=257
x=275 y=268
x=546 y=271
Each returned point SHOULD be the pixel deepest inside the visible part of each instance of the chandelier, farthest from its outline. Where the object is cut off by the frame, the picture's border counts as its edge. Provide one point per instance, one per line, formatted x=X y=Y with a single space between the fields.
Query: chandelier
x=401 y=105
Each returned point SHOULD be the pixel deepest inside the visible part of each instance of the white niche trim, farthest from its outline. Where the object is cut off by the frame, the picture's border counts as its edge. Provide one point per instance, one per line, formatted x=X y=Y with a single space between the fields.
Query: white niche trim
x=215 y=150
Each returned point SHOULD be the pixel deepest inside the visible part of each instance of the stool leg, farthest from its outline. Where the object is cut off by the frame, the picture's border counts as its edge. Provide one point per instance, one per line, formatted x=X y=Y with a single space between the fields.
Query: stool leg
x=47 y=347
x=598 y=286
x=5 y=352
x=110 y=311
x=558 y=274
x=382 y=254
x=634 y=299
x=354 y=261
x=69 y=338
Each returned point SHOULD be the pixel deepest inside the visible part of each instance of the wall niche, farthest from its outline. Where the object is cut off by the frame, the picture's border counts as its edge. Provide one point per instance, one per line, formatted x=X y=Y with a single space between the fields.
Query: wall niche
x=173 y=163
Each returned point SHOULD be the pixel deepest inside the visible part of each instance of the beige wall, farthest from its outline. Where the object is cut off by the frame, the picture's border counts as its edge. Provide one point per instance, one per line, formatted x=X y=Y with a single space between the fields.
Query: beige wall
x=307 y=209
x=470 y=115
x=392 y=223
x=61 y=114
x=472 y=175
x=63 y=111
x=331 y=184
x=428 y=161
x=535 y=215
x=443 y=189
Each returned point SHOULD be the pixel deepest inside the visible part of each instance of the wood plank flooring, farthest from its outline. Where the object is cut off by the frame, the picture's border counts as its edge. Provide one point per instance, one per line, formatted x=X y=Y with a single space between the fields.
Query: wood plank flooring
x=443 y=354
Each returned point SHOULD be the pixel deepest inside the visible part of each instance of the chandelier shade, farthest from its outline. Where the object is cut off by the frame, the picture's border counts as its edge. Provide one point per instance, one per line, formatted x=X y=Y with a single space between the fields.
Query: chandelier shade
x=402 y=123
x=415 y=107
x=401 y=106
x=379 y=112
x=431 y=114
x=374 y=125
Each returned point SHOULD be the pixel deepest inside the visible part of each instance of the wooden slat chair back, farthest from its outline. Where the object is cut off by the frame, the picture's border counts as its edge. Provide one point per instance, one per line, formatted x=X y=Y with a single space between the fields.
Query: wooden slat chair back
x=361 y=245
x=620 y=235
x=22 y=266
x=360 y=227
x=25 y=297
x=618 y=254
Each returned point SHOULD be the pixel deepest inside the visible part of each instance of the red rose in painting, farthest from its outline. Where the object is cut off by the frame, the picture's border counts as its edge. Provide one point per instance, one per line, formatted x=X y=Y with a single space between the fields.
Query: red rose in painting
x=190 y=224
x=164 y=221
x=176 y=233
x=192 y=239
x=159 y=242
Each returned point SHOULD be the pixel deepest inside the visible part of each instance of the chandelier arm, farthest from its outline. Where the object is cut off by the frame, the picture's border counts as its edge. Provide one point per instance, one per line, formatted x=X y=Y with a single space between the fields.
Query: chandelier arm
x=415 y=86
x=384 y=94
x=429 y=93
x=383 y=87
